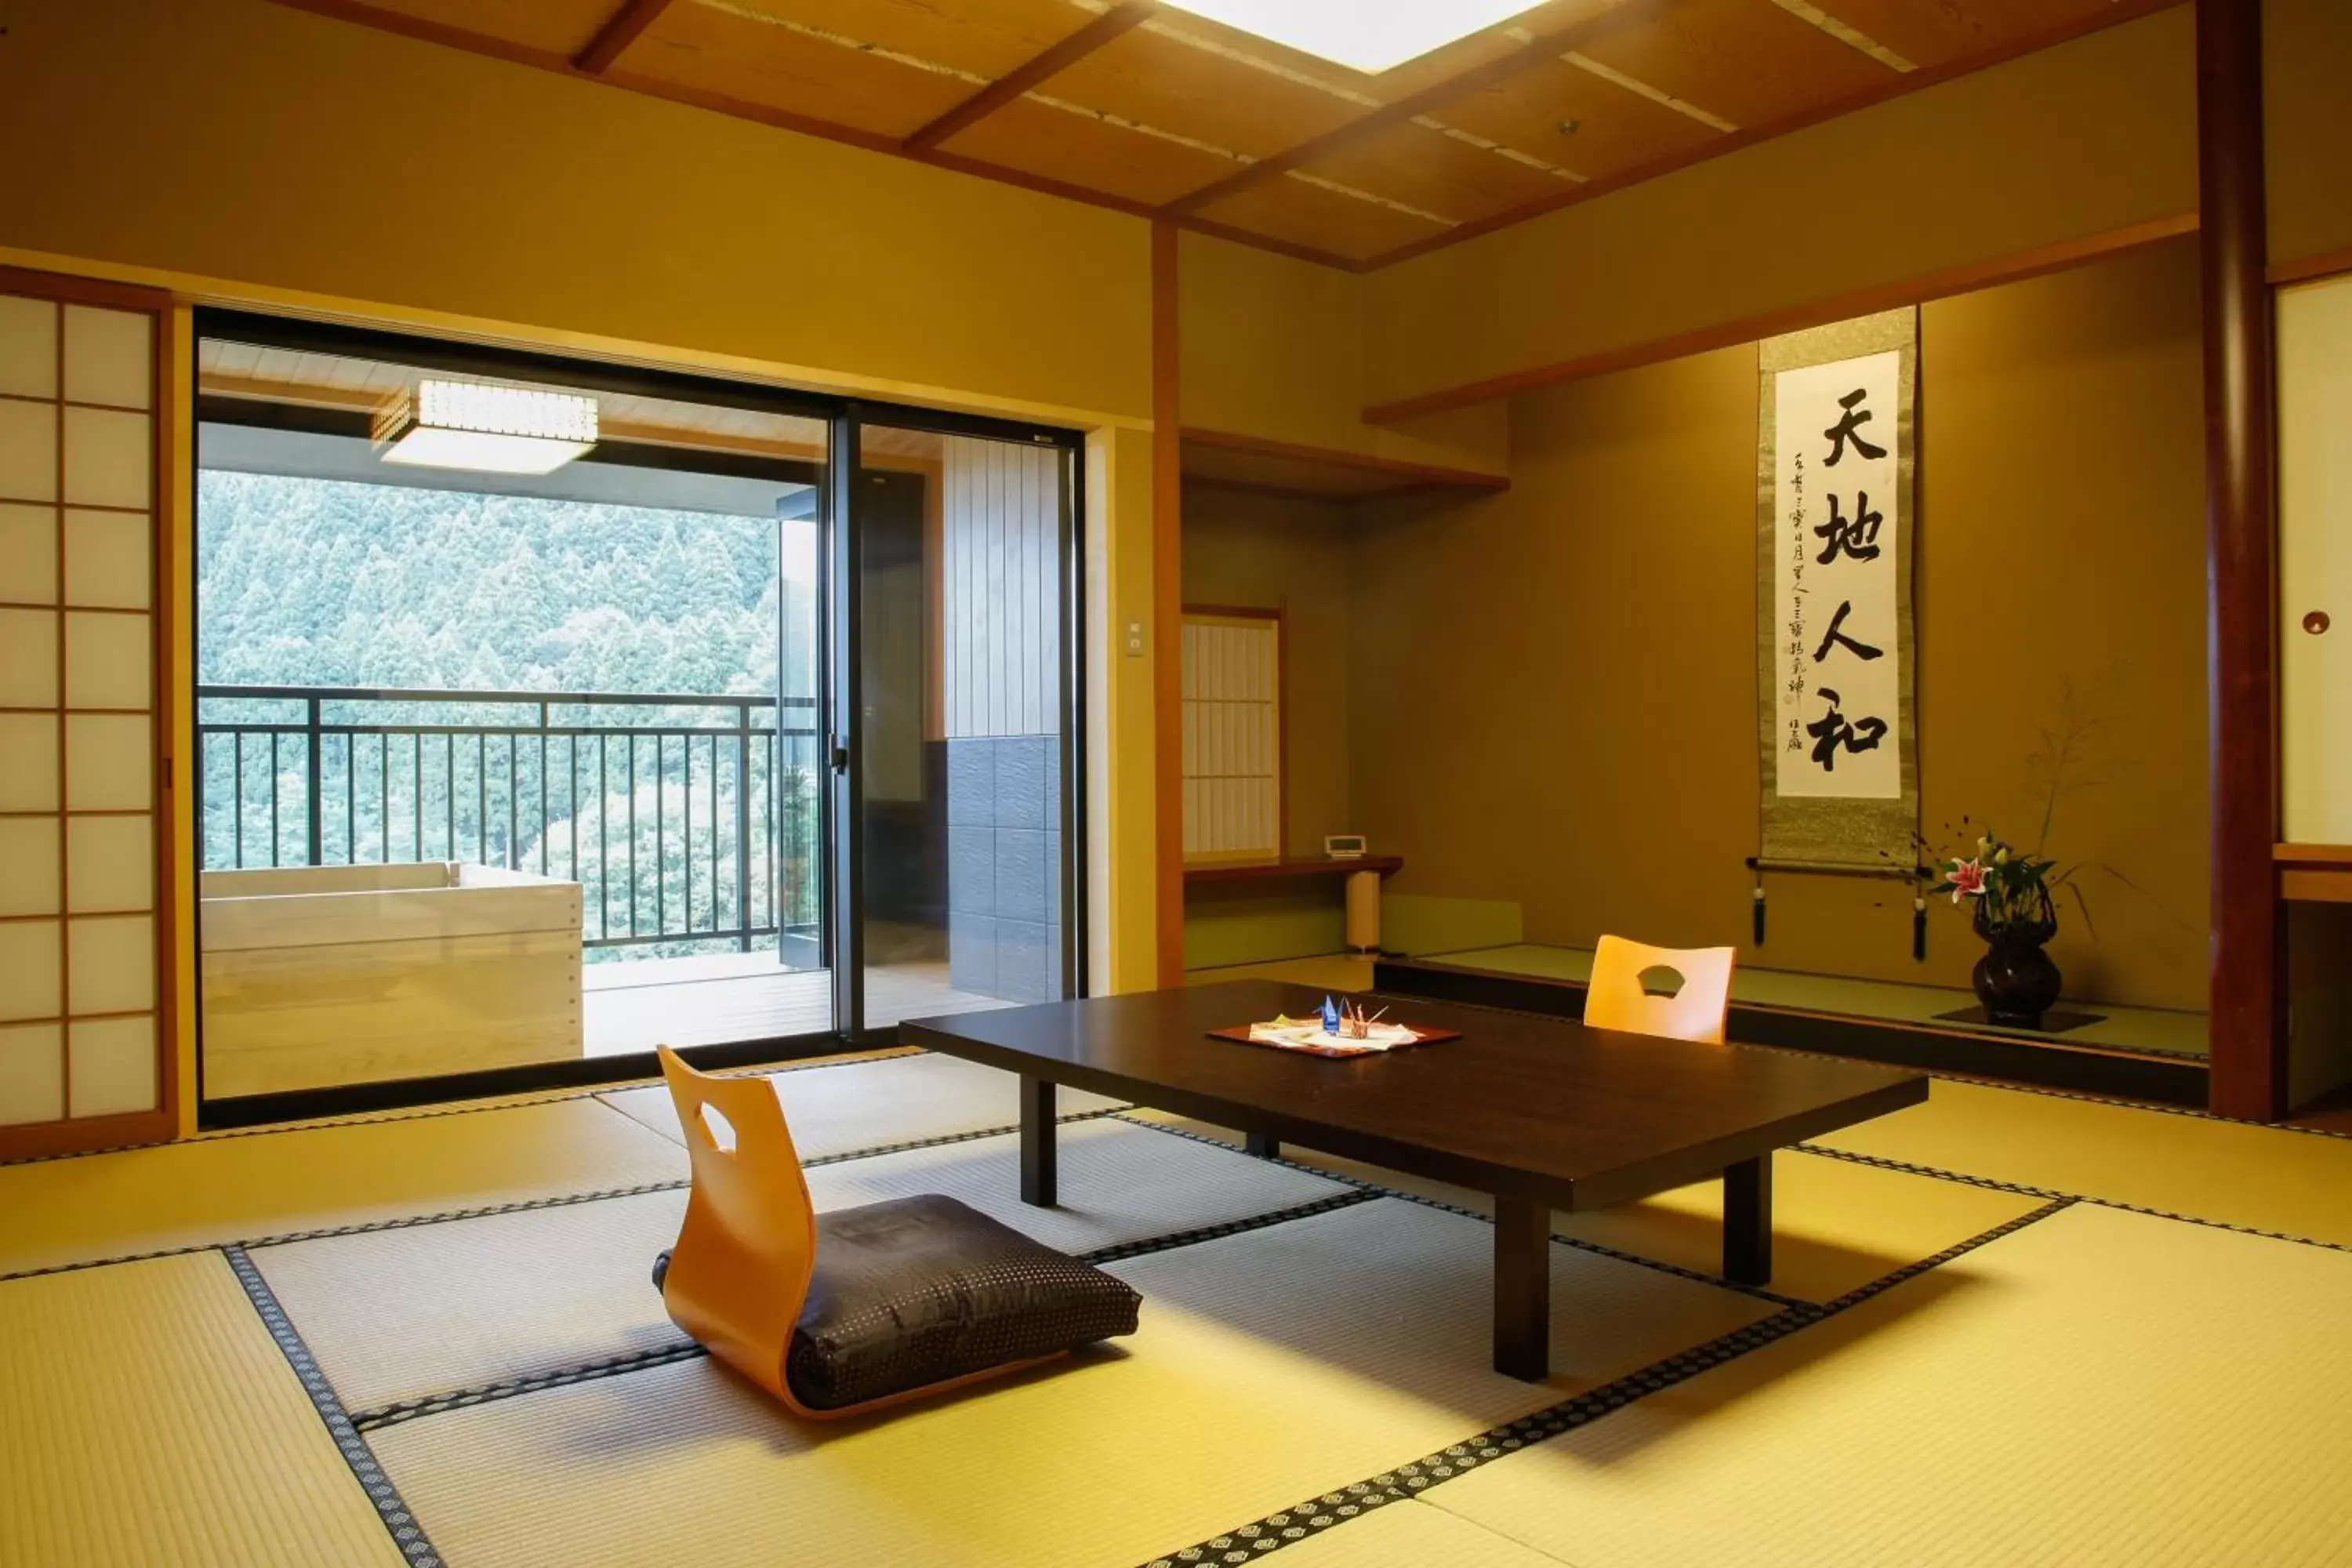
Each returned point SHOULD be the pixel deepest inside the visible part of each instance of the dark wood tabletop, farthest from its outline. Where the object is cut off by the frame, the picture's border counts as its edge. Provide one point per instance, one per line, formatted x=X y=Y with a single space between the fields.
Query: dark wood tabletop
x=1521 y=1106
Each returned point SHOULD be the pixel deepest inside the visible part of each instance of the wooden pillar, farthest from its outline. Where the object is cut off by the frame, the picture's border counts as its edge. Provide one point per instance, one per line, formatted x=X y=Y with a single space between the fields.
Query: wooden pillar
x=1167 y=608
x=2249 y=987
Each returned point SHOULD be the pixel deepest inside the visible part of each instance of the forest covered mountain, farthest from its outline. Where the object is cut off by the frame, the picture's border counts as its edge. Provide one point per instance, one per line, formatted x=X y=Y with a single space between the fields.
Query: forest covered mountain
x=305 y=582
x=327 y=583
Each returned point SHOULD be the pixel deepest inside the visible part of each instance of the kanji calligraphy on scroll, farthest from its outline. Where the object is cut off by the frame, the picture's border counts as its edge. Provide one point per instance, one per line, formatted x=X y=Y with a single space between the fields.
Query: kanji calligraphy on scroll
x=1835 y=475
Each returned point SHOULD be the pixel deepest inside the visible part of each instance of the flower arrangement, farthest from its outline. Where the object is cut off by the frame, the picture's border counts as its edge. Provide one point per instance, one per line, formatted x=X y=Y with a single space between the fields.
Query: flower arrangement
x=2012 y=887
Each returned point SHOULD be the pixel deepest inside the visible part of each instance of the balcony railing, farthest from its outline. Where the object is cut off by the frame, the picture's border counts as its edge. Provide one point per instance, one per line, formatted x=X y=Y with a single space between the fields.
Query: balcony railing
x=688 y=820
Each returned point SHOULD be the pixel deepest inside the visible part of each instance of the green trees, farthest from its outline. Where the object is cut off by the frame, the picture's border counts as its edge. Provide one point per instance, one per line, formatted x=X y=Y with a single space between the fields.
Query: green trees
x=315 y=583
x=325 y=582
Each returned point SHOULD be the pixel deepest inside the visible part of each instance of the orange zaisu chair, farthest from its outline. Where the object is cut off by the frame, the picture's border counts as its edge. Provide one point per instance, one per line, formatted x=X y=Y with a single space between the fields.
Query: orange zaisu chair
x=839 y=1313
x=1615 y=998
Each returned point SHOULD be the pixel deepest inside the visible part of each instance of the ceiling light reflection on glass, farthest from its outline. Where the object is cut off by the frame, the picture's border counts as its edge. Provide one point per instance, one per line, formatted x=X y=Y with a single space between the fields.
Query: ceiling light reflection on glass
x=486 y=428
x=1368 y=36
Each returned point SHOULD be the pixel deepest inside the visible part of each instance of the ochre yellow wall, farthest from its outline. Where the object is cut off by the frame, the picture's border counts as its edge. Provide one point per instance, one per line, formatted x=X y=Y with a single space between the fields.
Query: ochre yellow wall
x=2307 y=72
x=1121 y=781
x=2090 y=137
x=1274 y=553
x=274 y=150
x=1275 y=348
x=244 y=153
x=1555 y=689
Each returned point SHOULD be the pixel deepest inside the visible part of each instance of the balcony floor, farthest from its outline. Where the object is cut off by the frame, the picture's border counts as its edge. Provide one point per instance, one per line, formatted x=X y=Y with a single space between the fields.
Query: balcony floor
x=726 y=998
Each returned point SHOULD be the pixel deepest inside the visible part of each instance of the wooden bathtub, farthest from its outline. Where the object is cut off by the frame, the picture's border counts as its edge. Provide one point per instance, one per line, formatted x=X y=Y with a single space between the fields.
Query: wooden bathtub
x=318 y=976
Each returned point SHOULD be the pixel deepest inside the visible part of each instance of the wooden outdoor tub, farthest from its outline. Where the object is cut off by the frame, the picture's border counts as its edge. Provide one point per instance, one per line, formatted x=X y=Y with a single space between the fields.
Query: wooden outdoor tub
x=334 y=975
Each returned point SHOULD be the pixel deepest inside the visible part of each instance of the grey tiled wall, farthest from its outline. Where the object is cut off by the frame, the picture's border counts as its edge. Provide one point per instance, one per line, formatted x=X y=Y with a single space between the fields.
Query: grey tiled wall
x=1005 y=860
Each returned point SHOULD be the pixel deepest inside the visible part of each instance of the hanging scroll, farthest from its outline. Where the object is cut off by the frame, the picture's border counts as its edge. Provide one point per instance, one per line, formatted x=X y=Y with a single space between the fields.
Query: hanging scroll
x=1834 y=471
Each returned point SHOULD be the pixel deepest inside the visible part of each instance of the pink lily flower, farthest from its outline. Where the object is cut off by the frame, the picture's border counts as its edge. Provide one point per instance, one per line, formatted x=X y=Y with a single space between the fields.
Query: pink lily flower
x=1966 y=876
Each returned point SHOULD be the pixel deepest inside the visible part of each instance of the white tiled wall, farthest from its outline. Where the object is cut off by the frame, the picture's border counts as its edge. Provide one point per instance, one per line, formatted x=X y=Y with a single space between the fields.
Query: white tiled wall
x=78 y=1033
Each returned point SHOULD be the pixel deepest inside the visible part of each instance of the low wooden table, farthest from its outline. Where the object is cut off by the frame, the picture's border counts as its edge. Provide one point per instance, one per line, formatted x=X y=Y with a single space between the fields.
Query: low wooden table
x=1543 y=1114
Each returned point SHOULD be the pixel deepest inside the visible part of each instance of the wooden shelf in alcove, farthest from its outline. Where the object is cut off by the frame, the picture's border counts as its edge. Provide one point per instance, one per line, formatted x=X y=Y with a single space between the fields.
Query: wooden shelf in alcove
x=2315 y=873
x=1262 y=870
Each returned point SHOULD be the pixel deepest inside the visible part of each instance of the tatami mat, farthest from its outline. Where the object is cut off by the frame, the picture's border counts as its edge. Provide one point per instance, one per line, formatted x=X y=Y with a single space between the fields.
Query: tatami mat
x=2129 y=1028
x=1401 y=1535
x=896 y=1100
x=2098 y=1388
x=399 y=1314
x=1334 y=971
x=1271 y=1365
x=147 y=1417
x=2299 y=1183
x=1836 y=1227
x=196 y=1194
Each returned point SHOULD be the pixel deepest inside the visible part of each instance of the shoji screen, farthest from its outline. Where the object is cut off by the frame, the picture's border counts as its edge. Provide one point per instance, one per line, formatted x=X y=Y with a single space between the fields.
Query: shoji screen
x=1233 y=735
x=82 y=826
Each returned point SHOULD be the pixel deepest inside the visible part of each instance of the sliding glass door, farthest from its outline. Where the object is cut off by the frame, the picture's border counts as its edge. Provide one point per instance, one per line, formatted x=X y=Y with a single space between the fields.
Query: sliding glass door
x=955 y=661
x=507 y=704
x=549 y=713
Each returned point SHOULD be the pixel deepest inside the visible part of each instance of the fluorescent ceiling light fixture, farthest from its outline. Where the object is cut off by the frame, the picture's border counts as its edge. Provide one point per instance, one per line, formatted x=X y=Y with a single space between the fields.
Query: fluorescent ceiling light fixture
x=490 y=429
x=1368 y=36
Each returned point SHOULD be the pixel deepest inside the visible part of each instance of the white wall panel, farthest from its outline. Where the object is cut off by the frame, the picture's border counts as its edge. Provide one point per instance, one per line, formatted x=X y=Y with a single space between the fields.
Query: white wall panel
x=1001 y=527
x=2315 y=357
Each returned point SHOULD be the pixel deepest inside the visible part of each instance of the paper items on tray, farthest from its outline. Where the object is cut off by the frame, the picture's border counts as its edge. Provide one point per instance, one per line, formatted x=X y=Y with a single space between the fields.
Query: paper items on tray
x=1294 y=1034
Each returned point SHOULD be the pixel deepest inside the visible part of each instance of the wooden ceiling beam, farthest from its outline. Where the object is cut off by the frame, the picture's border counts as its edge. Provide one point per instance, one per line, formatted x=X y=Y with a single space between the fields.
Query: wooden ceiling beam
x=624 y=28
x=362 y=14
x=1109 y=25
x=1539 y=48
x=2114 y=13
x=2039 y=262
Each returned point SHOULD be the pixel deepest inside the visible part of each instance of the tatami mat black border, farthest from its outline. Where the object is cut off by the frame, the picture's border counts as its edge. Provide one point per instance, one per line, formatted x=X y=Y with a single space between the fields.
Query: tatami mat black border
x=467 y=1108
x=666 y=1355
x=1320 y=1514
x=2047 y=1090
x=1904 y=1167
x=405 y=1532
x=1599 y=1248
x=392 y=1415
x=520 y=1206
x=1994 y=1184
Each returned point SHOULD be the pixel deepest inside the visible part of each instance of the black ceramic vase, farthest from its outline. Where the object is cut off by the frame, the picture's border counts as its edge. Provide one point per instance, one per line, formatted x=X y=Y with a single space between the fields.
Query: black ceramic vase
x=2015 y=979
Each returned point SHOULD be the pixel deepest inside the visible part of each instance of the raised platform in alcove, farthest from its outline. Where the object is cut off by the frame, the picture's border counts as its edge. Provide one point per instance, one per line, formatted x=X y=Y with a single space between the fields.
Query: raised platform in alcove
x=2140 y=1053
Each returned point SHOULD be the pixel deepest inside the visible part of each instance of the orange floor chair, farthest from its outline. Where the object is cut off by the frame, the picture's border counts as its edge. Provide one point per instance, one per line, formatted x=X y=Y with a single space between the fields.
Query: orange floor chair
x=843 y=1312
x=1615 y=998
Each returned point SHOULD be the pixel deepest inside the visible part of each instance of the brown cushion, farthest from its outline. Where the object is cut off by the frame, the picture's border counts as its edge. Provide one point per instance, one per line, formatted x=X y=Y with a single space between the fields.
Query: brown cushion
x=916 y=1290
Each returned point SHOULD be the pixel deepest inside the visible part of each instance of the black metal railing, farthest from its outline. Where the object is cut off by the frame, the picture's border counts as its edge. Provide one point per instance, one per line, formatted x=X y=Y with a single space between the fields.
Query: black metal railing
x=686 y=819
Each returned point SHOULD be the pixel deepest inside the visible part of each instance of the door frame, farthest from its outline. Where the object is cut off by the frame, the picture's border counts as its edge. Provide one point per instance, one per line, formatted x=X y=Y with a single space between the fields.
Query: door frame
x=837 y=625
x=846 y=818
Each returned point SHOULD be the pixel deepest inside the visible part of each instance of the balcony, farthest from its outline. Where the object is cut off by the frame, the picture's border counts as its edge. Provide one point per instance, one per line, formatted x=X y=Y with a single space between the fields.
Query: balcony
x=690 y=821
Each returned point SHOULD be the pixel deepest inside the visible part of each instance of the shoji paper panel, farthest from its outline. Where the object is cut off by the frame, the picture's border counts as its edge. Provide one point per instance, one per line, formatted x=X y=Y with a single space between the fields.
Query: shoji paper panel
x=80 y=961
x=1232 y=728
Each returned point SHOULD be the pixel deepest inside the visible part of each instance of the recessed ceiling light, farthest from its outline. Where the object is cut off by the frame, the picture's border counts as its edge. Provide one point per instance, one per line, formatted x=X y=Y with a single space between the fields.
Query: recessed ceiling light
x=1368 y=36
x=490 y=429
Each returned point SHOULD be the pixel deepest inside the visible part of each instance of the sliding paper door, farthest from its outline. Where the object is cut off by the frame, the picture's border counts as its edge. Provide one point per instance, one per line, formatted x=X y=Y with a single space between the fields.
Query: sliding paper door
x=85 y=1049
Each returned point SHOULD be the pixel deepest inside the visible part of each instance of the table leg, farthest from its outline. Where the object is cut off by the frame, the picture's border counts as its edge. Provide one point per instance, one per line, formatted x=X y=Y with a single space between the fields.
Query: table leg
x=1747 y=1221
x=1522 y=1289
x=1265 y=1145
x=1037 y=1105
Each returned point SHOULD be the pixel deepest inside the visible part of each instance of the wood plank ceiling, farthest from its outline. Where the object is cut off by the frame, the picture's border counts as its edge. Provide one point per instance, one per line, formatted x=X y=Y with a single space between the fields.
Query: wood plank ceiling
x=1144 y=106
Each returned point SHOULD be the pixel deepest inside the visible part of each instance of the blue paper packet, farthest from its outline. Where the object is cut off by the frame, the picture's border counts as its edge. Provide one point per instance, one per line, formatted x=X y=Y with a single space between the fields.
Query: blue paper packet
x=1330 y=1017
